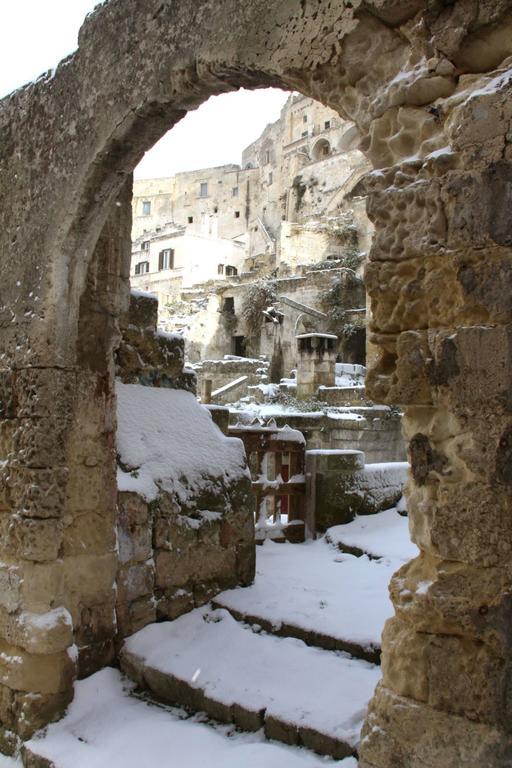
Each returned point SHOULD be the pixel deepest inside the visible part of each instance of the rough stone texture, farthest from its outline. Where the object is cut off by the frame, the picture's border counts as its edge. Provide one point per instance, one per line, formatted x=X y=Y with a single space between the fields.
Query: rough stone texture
x=172 y=555
x=416 y=77
x=341 y=486
x=148 y=356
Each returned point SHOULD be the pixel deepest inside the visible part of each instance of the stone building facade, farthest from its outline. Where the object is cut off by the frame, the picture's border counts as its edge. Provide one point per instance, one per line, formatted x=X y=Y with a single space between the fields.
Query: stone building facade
x=299 y=170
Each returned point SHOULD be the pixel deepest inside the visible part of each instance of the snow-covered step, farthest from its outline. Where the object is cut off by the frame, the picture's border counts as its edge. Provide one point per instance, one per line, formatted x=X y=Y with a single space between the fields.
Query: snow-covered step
x=385 y=534
x=207 y=661
x=107 y=727
x=310 y=591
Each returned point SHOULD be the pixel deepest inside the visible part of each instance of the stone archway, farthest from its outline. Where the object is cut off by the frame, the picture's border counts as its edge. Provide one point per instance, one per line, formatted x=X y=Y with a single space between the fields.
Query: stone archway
x=321 y=150
x=428 y=85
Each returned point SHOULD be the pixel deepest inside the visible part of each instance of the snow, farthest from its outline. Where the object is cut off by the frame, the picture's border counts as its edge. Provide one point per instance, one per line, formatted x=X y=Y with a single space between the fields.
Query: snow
x=143 y=294
x=316 y=588
x=229 y=386
x=232 y=664
x=107 y=727
x=11 y=762
x=168 y=441
x=493 y=85
x=46 y=621
x=171 y=336
x=289 y=434
x=316 y=336
x=350 y=368
x=385 y=534
x=442 y=152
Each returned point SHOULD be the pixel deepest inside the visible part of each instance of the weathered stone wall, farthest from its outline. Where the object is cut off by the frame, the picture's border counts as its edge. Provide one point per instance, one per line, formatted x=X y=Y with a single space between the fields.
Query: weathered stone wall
x=343 y=486
x=225 y=371
x=174 y=552
x=374 y=430
x=428 y=85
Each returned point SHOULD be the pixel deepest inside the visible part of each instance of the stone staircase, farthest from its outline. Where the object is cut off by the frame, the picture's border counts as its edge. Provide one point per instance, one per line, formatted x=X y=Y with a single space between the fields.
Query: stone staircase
x=250 y=672
x=257 y=674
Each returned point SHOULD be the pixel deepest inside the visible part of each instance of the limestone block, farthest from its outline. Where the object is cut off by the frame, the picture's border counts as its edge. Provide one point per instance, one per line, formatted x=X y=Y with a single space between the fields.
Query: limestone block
x=133 y=616
x=409 y=222
x=134 y=543
x=342 y=486
x=400 y=374
x=89 y=533
x=41 y=585
x=88 y=580
x=11 y=582
x=30 y=539
x=96 y=623
x=36 y=389
x=23 y=671
x=40 y=442
x=402 y=732
x=143 y=311
x=134 y=581
x=37 y=493
x=92 y=488
x=38 y=633
x=35 y=710
x=474 y=219
x=8 y=402
x=472 y=526
x=174 y=602
x=94 y=657
x=453 y=598
x=470 y=361
x=132 y=509
x=459 y=675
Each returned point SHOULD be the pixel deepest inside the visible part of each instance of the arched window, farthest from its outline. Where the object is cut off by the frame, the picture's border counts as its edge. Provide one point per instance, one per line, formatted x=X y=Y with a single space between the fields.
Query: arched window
x=220 y=269
x=231 y=271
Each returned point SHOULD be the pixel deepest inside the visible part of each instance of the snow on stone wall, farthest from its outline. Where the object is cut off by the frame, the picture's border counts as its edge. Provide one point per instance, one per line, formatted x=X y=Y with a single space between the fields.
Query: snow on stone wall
x=167 y=441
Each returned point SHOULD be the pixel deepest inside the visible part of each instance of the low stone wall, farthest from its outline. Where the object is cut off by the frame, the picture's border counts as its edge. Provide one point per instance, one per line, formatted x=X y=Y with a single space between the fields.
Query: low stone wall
x=171 y=561
x=375 y=430
x=343 y=486
x=223 y=372
x=342 y=395
x=185 y=525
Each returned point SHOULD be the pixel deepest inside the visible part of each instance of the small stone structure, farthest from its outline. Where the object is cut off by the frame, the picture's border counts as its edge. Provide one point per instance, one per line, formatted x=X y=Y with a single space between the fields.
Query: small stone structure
x=316 y=363
x=181 y=546
x=343 y=486
x=230 y=377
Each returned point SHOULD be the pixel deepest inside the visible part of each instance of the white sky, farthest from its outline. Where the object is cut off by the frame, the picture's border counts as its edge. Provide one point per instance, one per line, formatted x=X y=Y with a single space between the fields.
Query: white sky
x=36 y=34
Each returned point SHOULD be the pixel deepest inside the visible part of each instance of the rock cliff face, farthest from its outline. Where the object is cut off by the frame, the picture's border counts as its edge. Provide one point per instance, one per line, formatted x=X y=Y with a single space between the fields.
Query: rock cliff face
x=428 y=84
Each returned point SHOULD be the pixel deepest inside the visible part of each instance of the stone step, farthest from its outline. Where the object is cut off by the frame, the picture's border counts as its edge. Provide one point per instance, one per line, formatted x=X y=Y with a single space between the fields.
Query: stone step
x=207 y=661
x=109 y=725
x=312 y=592
x=310 y=637
x=383 y=535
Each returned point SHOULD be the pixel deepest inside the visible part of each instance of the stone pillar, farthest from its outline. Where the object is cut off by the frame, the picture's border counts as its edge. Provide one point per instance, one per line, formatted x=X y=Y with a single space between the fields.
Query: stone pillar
x=206 y=391
x=326 y=498
x=442 y=317
x=316 y=363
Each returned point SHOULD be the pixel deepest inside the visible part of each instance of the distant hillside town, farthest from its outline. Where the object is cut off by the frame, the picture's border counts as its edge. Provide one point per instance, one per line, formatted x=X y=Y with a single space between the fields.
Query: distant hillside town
x=243 y=258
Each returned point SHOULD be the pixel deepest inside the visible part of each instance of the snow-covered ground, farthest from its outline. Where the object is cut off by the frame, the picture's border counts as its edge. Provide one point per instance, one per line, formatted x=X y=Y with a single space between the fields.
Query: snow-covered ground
x=106 y=727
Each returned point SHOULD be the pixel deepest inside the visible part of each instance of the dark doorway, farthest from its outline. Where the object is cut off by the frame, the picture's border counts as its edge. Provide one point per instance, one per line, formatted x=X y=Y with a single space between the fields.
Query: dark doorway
x=239 y=346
